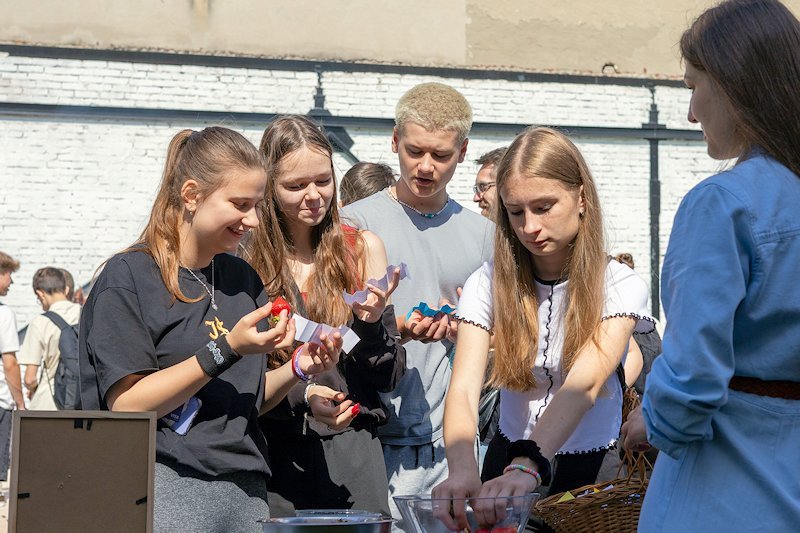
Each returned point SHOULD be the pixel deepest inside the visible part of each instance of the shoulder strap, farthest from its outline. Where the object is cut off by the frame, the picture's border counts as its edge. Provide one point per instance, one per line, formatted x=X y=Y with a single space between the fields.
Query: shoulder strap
x=621 y=376
x=56 y=319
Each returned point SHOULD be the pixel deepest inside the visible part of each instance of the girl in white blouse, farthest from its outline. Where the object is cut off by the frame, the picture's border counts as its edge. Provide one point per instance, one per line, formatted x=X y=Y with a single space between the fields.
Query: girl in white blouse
x=565 y=315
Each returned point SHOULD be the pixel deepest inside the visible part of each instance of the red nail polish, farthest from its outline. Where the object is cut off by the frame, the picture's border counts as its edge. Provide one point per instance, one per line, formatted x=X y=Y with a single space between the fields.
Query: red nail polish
x=356 y=409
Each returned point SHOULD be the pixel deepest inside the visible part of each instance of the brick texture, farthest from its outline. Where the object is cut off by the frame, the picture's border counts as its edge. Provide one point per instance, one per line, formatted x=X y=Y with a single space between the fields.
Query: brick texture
x=75 y=190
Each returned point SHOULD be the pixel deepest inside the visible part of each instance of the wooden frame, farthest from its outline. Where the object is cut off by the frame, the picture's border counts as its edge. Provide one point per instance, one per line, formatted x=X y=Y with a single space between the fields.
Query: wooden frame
x=82 y=471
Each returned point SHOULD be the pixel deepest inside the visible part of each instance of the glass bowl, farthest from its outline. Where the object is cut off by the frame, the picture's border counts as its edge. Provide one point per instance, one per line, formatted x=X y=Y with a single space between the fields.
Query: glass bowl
x=418 y=512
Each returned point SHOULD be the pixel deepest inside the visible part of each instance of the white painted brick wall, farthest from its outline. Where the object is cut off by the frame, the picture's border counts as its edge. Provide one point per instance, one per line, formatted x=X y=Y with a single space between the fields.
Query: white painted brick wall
x=103 y=83
x=75 y=190
x=496 y=100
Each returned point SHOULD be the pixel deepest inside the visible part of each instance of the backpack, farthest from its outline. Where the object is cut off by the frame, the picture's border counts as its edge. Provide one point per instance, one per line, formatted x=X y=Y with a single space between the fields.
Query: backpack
x=67 y=393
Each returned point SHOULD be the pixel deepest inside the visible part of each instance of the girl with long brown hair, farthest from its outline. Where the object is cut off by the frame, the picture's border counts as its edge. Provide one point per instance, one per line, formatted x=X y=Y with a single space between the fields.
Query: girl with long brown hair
x=562 y=315
x=175 y=324
x=722 y=403
x=323 y=435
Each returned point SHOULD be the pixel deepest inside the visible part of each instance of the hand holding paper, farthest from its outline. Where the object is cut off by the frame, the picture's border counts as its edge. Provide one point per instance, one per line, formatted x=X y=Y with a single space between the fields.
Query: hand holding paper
x=309 y=331
x=427 y=324
x=369 y=304
x=382 y=284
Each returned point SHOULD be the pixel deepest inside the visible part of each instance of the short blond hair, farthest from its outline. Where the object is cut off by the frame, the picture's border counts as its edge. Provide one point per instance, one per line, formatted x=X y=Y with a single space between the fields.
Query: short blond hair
x=8 y=263
x=435 y=106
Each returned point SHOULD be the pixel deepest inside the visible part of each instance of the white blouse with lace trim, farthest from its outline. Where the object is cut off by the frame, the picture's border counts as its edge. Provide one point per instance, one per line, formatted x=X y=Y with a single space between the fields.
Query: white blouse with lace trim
x=626 y=295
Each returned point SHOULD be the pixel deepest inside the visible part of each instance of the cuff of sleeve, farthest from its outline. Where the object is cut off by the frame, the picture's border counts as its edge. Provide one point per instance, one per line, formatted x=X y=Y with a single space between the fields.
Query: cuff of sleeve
x=657 y=439
x=366 y=329
x=216 y=357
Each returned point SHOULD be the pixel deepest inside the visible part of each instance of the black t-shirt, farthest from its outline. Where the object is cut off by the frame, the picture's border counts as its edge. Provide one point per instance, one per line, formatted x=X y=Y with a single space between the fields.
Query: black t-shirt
x=132 y=325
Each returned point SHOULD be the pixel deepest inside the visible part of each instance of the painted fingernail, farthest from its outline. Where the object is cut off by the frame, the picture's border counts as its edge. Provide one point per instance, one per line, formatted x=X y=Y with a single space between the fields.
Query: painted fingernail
x=356 y=409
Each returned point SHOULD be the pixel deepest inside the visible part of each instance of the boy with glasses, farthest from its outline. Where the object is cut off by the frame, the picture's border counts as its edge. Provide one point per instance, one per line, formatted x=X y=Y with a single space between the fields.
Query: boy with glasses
x=484 y=188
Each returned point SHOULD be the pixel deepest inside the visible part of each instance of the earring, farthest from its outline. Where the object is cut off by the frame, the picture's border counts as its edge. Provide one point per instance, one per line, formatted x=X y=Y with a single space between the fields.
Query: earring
x=580 y=213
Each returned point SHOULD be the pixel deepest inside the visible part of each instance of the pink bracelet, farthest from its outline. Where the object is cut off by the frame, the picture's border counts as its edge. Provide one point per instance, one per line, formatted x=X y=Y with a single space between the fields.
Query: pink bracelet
x=296 y=370
x=525 y=469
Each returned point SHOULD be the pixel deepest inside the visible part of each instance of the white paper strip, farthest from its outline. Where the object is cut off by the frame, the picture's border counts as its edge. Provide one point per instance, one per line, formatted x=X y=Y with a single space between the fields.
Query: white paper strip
x=310 y=331
x=383 y=284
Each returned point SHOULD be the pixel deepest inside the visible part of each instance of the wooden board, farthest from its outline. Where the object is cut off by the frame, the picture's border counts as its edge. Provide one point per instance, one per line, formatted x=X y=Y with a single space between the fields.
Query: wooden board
x=81 y=471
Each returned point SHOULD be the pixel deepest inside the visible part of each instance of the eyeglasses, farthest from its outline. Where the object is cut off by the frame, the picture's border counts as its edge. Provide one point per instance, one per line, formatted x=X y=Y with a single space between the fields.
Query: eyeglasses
x=481 y=188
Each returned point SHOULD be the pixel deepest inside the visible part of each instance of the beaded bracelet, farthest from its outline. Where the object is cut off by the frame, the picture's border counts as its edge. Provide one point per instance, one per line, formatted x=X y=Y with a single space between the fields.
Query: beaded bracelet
x=296 y=370
x=305 y=394
x=525 y=469
x=528 y=448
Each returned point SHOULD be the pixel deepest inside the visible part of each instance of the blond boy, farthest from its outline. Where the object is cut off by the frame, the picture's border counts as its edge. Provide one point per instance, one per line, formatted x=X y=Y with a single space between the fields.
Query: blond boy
x=442 y=243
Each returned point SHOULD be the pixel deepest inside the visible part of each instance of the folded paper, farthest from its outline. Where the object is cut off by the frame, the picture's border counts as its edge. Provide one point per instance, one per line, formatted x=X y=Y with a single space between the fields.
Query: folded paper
x=567 y=496
x=310 y=331
x=360 y=297
x=426 y=310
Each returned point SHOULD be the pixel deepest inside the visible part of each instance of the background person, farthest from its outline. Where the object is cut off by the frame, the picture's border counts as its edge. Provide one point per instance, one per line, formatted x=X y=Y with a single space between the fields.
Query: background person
x=485 y=195
x=562 y=314
x=10 y=378
x=722 y=403
x=364 y=179
x=40 y=352
x=73 y=294
x=333 y=460
x=646 y=346
x=485 y=192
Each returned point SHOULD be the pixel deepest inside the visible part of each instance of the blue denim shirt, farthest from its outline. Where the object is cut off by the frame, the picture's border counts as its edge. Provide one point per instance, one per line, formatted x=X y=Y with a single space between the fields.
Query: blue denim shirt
x=732 y=301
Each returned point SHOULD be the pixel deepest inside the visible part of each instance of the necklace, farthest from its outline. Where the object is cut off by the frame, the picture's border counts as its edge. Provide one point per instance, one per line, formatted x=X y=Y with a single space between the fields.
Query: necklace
x=211 y=291
x=417 y=211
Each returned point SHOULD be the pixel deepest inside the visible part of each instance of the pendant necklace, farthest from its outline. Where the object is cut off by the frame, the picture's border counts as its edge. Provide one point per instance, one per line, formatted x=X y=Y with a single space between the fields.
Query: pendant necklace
x=417 y=211
x=211 y=291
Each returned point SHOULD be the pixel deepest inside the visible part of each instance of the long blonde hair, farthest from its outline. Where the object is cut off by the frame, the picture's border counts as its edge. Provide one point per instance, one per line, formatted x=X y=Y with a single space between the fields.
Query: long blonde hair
x=205 y=156
x=544 y=153
x=339 y=259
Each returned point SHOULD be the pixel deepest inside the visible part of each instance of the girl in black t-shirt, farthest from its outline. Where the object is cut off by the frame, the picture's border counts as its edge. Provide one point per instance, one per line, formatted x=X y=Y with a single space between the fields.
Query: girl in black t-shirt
x=323 y=436
x=175 y=325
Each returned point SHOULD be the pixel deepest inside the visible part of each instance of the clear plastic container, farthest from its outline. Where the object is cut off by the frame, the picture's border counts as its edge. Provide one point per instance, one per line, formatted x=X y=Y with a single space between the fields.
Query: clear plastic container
x=325 y=524
x=420 y=513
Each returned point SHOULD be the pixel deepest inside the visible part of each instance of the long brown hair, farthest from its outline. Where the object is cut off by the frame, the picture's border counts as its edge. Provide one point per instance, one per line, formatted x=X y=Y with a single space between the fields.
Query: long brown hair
x=544 y=153
x=339 y=261
x=751 y=51
x=205 y=156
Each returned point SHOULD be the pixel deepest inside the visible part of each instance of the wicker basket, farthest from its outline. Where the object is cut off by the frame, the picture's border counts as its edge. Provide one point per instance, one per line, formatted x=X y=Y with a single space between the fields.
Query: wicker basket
x=602 y=509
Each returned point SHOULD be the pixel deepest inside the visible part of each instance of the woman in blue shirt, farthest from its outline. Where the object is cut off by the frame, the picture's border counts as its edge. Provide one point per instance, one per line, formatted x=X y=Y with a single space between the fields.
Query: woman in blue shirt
x=723 y=401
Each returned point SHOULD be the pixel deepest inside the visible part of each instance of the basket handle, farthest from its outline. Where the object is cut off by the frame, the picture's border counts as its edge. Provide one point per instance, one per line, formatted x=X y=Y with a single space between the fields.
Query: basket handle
x=637 y=464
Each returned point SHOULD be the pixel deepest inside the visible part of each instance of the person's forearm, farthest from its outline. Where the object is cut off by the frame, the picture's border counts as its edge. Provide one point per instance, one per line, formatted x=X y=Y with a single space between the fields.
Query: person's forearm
x=560 y=419
x=14 y=379
x=277 y=384
x=460 y=430
x=31 y=375
x=589 y=374
x=162 y=391
x=401 y=329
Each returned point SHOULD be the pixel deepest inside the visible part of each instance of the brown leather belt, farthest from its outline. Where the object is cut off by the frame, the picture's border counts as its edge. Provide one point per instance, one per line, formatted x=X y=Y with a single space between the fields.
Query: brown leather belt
x=789 y=390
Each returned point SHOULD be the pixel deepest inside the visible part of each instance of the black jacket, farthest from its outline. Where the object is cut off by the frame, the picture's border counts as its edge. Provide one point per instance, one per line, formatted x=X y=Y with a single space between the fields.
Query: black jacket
x=375 y=365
